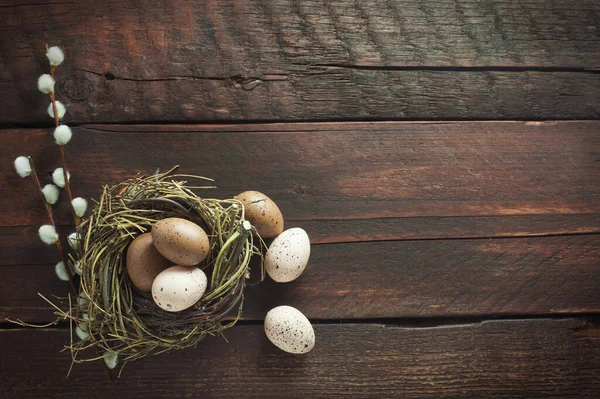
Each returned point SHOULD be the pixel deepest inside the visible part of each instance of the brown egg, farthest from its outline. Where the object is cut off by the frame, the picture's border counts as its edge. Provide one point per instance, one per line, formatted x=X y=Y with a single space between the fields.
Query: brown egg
x=180 y=241
x=144 y=262
x=262 y=212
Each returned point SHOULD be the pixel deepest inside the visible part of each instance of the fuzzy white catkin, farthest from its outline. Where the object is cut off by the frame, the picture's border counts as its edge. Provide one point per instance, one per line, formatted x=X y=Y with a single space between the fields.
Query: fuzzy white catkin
x=50 y=192
x=48 y=234
x=83 y=300
x=46 y=84
x=22 y=166
x=83 y=335
x=60 y=108
x=58 y=177
x=77 y=268
x=61 y=271
x=111 y=359
x=84 y=324
x=62 y=134
x=74 y=240
x=55 y=56
x=79 y=206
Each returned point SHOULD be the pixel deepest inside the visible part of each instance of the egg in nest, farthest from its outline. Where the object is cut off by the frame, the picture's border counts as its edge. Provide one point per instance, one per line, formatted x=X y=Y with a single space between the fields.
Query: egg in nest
x=262 y=212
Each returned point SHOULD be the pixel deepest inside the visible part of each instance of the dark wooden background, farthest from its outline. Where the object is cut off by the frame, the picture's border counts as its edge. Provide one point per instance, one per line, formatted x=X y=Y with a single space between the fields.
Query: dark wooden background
x=443 y=156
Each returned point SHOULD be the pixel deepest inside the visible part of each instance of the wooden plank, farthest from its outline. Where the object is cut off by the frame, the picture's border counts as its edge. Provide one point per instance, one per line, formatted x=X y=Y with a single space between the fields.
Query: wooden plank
x=428 y=278
x=371 y=32
x=318 y=93
x=22 y=245
x=334 y=171
x=508 y=359
x=282 y=60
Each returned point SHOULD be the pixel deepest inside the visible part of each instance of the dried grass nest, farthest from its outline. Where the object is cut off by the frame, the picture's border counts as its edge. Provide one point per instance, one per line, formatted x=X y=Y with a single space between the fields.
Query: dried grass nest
x=111 y=314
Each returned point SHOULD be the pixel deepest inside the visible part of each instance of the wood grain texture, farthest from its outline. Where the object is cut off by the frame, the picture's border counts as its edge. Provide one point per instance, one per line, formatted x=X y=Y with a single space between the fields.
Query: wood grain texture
x=431 y=193
x=282 y=60
x=505 y=359
x=429 y=278
x=413 y=224
x=328 y=94
x=335 y=171
x=21 y=244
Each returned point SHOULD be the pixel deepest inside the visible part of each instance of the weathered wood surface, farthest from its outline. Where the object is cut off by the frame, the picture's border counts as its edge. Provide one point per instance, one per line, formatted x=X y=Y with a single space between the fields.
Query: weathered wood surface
x=335 y=171
x=413 y=224
x=19 y=243
x=306 y=60
x=444 y=201
x=507 y=359
x=507 y=276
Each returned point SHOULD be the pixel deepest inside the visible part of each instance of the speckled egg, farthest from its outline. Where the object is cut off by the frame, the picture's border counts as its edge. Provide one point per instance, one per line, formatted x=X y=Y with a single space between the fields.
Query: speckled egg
x=178 y=288
x=288 y=255
x=262 y=212
x=180 y=241
x=144 y=262
x=289 y=330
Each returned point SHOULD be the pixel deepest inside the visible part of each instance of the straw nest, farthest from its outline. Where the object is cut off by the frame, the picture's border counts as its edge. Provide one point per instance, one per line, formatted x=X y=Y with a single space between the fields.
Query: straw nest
x=112 y=315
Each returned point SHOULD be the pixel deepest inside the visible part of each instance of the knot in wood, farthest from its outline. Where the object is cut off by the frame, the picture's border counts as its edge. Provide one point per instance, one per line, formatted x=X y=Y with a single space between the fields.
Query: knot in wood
x=76 y=88
x=245 y=83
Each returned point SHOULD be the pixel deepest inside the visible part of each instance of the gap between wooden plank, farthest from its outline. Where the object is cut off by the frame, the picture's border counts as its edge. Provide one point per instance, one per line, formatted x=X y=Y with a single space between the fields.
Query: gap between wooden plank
x=486 y=68
x=273 y=122
x=399 y=322
x=283 y=125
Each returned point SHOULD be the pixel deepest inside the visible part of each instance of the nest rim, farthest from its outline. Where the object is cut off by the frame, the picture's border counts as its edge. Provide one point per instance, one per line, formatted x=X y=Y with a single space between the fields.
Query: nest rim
x=116 y=317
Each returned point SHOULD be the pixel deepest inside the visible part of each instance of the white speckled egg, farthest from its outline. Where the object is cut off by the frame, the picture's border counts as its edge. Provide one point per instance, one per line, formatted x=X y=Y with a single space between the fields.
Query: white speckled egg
x=289 y=330
x=178 y=288
x=288 y=255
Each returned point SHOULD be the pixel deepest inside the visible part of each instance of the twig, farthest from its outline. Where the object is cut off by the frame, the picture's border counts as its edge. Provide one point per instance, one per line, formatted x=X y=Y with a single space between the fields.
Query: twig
x=52 y=72
x=51 y=218
x=62 y=149
x=76 y=218
x=68 y=185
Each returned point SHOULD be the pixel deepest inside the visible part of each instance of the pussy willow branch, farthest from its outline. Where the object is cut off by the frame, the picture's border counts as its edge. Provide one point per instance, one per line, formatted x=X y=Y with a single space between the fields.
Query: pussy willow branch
x=62 y=149
x=76 y=218
x=51 y=218
x=68 y=185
